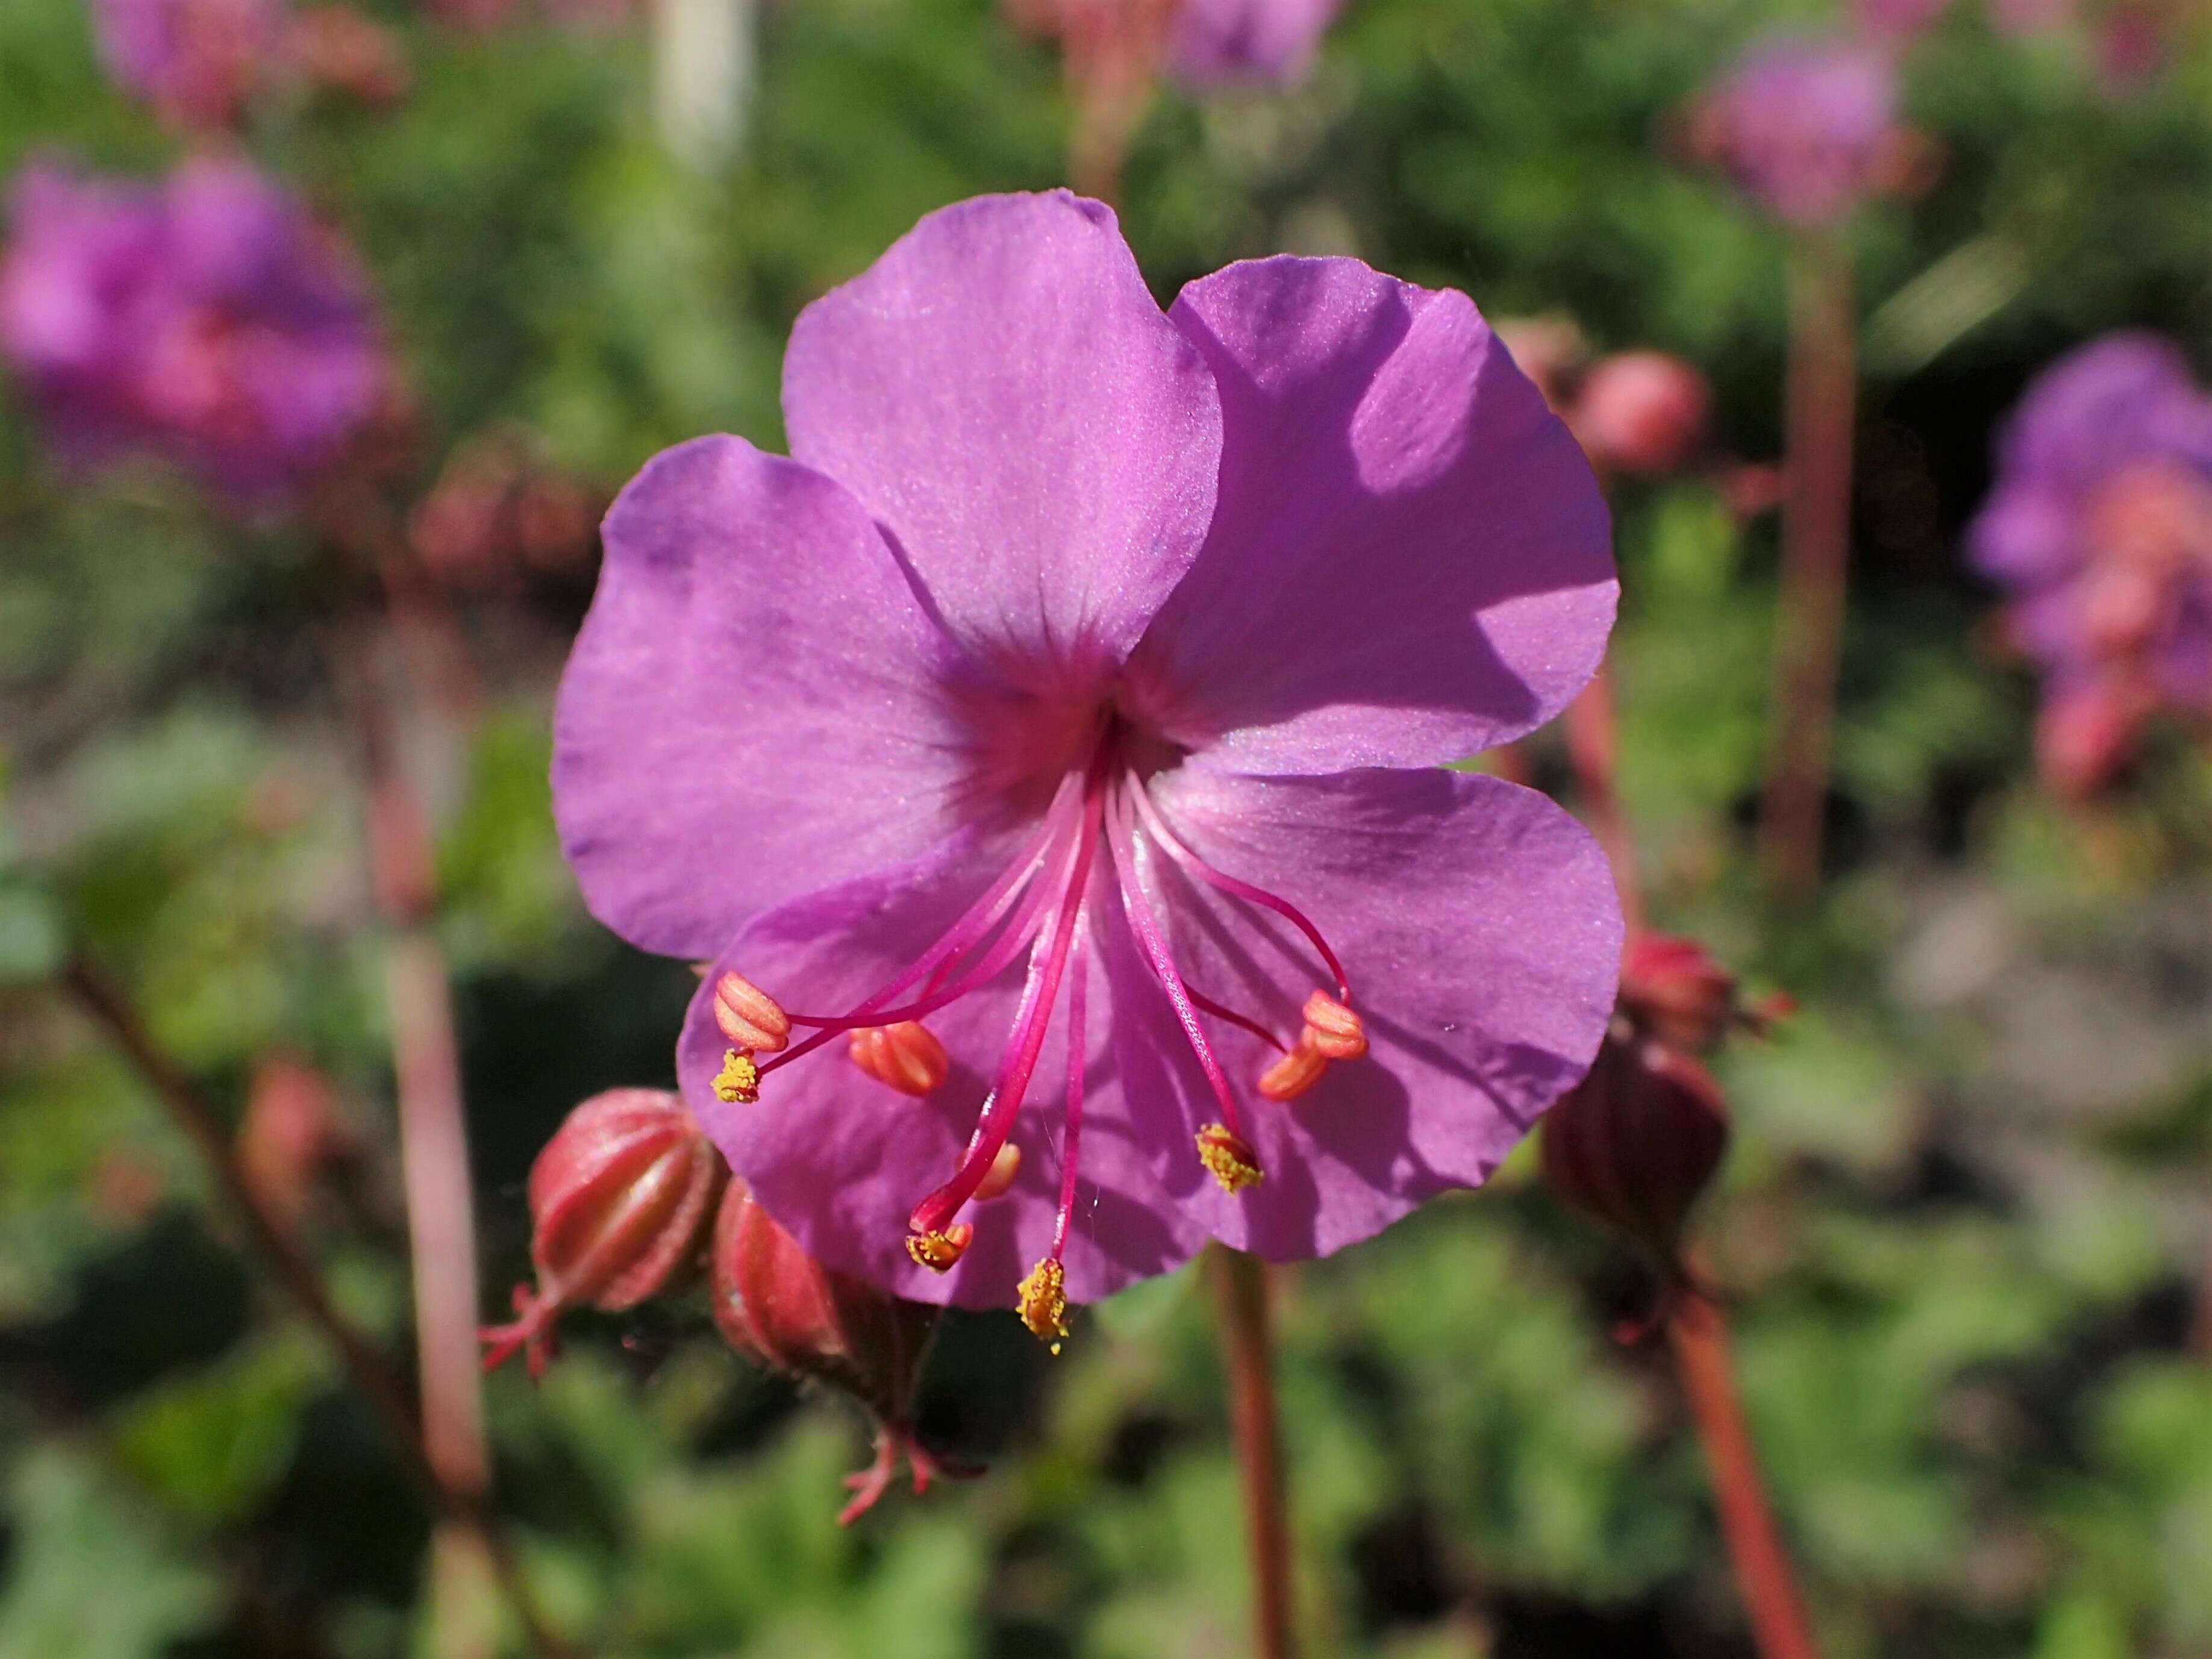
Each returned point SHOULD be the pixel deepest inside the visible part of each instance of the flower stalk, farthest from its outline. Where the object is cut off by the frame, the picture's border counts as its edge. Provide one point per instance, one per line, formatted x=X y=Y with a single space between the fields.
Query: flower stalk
x=1674 y=1000
x=433 y=1142
x=1820 y=418
x=1696 y=1330
x=372 y=1373
x=1248 y=1347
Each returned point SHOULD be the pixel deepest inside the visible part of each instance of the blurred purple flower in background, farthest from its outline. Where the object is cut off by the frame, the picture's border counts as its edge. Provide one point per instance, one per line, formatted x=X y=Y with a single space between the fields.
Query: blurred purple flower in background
x=1897 y=20
x=194 y=60
x=204 y=318
x=1069 y=621
x=1213 y=42
x=1805 y=127
x=2100 y=525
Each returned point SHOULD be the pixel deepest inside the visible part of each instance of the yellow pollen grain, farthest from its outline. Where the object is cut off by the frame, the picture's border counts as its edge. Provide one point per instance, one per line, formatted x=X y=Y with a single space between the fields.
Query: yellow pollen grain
x=739 y=1078
x=1043 y=1301
x=937 y=1251
x=1233 y=1171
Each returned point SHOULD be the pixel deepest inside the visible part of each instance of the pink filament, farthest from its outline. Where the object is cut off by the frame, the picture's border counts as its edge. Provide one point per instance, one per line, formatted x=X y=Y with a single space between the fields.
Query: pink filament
x=974 y=925
x=1155 y=946
x=1079 y=1044
x=1198 y=866
x=1031 y=1017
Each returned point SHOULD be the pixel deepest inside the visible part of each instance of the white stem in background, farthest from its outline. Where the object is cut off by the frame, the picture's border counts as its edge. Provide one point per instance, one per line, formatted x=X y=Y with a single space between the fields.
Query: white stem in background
x=705 y=67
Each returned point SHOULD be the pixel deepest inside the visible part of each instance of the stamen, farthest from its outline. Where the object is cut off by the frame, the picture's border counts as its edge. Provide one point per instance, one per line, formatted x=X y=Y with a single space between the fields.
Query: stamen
x=1157 y=827
x=1332 y=1029
x=1043 y=1301
x=1153 y=942
x=937 y=1251
x=1229 y=1157
x=1031 y=1016
x=748 y=1016
x=1004 y=1168
x=1206 y=1005
x=739 y=1081
x=1294 y=1074
x=973 y=925
x=906 y=1056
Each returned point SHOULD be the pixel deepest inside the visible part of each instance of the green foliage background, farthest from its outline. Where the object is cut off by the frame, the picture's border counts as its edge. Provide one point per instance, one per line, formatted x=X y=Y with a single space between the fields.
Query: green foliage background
x=1966 y=1218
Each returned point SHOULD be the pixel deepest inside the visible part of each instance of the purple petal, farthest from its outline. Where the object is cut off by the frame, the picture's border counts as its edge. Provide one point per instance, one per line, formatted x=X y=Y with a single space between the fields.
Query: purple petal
x=1481 y=931
x=840 y=1159
x=1001 y=391
x=1410 y=560
x=758 y=704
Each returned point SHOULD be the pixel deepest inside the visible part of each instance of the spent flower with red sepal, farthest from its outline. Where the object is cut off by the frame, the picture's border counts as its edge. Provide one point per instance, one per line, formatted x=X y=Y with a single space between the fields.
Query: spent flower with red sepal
x=775 y=1303
x=1070 y=710
x=619 y=1202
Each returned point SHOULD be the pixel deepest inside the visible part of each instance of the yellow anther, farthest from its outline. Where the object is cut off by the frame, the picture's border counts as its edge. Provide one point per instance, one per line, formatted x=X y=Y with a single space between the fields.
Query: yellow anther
x=739 y=1078
x=1229 y=1157
x=1043 y=1301
x=1001 y=1175
x=1333 y=1030
x=750 y=1017
x=938 y=1251
x=1294 y=1074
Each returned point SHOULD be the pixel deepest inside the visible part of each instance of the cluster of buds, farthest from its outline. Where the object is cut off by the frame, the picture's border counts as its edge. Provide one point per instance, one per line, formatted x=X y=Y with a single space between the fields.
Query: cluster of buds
x=1636 y=1142
x=500 y=507
x=619 y=1201
x=774 y=1303
x=622 y=1200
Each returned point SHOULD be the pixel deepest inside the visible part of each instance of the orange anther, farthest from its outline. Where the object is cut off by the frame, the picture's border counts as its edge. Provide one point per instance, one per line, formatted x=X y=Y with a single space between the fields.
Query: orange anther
x=748 y=1016
x=907 y=1057
x=1041 y=1301
x=1332 y=1029
x=1294 y=1074
x=1001 y=1175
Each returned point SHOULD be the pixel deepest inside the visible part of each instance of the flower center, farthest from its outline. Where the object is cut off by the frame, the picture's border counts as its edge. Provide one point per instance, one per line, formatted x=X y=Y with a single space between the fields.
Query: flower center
x=1040 y=904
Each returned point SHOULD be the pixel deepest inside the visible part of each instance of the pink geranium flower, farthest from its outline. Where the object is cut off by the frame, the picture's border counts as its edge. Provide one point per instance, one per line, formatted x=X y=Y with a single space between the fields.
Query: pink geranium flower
x=1087 y=670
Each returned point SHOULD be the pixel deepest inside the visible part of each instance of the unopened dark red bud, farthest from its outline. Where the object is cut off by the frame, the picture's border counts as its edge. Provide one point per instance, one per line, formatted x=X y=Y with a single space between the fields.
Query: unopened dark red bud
x=1642 y=412
x=619 y=1202
x=774 y=1303
x=1637 y=1141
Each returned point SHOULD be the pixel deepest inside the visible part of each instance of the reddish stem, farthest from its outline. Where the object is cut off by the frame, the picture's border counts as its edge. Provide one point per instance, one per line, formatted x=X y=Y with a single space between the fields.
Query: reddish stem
x=1698 y=1330
x=371 y=1372
x=1110 y=50
x=1593 y=744
x=1820 y=416
x=433 y=1138
x=1248 y=1347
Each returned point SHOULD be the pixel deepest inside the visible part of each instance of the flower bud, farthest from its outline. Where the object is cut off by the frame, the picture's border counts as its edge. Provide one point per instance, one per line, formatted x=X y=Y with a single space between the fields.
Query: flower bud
x=774 y=1303
x=750 y=1017
x=619 y=1199
x=1675 y=990
x=906 y=1056
x=1641 y=412
x=1637 y=1141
